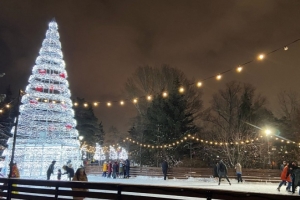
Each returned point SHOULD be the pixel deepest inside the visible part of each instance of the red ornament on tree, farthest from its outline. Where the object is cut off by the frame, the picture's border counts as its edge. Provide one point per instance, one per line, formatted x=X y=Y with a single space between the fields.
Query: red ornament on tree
x=62 y=75
x=42 y=71
x=39 y=88
x=34 y=102
x=69 y=127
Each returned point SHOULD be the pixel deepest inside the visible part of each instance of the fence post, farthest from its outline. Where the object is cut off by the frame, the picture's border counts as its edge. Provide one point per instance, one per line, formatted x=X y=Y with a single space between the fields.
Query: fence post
x=9 y=187
x=119 y=192
x=209 y=194
x=56 y=192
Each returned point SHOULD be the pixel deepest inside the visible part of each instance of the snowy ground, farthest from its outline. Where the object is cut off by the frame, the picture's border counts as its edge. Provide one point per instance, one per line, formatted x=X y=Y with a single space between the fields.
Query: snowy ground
x=269 y=188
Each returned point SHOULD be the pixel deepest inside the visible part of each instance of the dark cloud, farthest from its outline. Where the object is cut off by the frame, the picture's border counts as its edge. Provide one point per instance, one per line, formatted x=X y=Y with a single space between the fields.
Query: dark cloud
x=104 y=41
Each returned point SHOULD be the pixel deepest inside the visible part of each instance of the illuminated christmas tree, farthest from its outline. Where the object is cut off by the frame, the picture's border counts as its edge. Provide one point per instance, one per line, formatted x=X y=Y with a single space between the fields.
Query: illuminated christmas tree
x=99 y=153
x=46 y=129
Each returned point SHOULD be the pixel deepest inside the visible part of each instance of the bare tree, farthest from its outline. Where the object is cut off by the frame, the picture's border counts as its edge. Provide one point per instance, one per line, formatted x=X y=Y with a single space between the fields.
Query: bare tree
x=233 y=118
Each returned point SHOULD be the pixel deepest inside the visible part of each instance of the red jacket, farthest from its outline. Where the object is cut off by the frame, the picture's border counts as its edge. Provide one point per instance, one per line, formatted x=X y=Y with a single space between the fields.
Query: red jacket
x=284 y=174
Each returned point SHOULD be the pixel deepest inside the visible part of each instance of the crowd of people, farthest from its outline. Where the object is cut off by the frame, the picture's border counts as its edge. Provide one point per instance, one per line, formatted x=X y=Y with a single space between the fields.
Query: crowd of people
x=115 y=169
x=290 y=173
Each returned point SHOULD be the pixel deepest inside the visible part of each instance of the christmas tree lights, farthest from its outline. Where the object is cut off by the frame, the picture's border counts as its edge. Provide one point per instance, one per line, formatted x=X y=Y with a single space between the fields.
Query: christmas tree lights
x=99 y=153
x=46 y=129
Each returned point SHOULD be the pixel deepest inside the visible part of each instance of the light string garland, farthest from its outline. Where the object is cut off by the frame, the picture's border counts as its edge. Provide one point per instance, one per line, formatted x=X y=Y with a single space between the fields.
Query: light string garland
x=202 y=141
x=62 y=75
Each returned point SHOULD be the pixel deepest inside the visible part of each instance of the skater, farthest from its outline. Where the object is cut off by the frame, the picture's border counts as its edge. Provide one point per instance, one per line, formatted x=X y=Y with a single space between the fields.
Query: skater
x=50 y=169
x=164 y=166
x=127 y=163
x=285 y=177
x=80 y=175
x=104 y=169
x=115 y=169
x=58 y=174
x=222 y=172
x=69 y=170
x=238 y=170
x=109 y=169
x=215 y=171
x=121 y=169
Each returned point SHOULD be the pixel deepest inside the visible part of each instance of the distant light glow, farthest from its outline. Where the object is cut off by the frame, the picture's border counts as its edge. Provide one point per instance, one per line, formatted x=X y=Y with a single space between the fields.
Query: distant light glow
x=181 y=89
x=239 y=69
x=219 y=77
x=165 y=94
x=108 y=104
x=199 y=84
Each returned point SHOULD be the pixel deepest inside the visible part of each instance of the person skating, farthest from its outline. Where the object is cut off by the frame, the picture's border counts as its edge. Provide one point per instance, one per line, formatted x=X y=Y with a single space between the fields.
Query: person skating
x=238 y=169
x=104 y=169
x=69 y=170
x=127 y=163
x=164 y=166
x=50 y=169
x=215 y=171
x=222 y=172
x=285 y=177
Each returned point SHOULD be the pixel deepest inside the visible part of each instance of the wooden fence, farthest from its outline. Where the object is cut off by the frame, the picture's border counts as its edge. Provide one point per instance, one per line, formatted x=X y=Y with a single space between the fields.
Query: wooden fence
x=249 y=175
x=44 y=190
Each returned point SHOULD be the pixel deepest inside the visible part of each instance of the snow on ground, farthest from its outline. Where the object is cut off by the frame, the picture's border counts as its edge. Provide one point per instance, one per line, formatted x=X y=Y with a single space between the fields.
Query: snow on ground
x=209 y=183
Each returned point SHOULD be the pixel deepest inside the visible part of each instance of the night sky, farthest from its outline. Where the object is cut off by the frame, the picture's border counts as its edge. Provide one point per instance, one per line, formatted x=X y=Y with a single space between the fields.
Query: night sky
x=103 y=42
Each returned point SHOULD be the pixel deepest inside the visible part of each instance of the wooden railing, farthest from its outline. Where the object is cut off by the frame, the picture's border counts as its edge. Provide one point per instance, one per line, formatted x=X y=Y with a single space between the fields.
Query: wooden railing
x=44 y=190
x=249 y=175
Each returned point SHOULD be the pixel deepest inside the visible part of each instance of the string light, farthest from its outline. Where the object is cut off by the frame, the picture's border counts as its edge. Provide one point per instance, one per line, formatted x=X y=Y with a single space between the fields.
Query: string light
x=85 y=105
x=261 y=57
x=135 y=101
x=199 y=84
x=185 y=138
x=108 y=104
x=95 y=104
x=218 y=77
x=122 y=103
x=239 y=68
x=149 y=97
x=165 y=94
x=285 y=48
x=181 y=89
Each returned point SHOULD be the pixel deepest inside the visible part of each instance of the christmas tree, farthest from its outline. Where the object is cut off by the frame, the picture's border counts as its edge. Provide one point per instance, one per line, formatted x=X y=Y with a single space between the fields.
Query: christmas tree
x=46 y=129
x=99 y=153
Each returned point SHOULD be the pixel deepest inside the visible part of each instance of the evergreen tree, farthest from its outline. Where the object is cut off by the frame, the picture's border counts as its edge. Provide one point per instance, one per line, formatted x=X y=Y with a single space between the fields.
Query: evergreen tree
x=87 y=123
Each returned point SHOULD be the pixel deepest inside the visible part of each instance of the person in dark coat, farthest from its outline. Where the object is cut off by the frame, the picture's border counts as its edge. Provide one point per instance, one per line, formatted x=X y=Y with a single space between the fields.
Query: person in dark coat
x=222 y=171
x=127 y=163
x=69 y=170
x=164 y=166
x=50 y=169
x=115 y=168
x=215 y=171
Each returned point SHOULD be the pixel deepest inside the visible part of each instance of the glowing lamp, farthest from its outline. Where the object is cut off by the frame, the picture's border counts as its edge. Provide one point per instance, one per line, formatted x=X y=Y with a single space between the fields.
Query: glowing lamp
x=239 y=69
x=108 y=104
x=199 y=84
x=149 y=97
x=219 y=77
x=122 y=103
x=181 y=89
x=165 y=94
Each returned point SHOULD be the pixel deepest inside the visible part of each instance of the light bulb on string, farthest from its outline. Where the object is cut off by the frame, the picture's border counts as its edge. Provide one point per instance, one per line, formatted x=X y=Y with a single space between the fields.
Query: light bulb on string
x=285 y=48
x=149 y=97
x=85 y=104
x=261 y=57
x=108 y=104
x=135 y=101
x=1 y=111
x=199 y=84
x=75 y=104
x=181 y=89
x=7 y=106
x=239 y=68
x=95 y=104
x=165 y=94
x=218 y=77
x=121 y=103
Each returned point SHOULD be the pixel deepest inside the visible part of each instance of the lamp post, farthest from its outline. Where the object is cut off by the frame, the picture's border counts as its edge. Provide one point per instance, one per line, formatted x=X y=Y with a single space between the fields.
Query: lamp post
x=15 y=134
x=268 y=132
